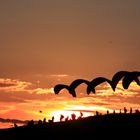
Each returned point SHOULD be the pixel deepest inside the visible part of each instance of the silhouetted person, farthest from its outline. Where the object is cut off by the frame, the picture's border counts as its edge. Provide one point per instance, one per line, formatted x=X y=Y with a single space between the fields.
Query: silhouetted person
x=120 y=111
x=40 y=122
x=30 y=123
x=81 y=114
x=125 y=110
x=61 y=117
x=130 y=110
x=107 y=112
x=97 y=113
x=137 y=111
x=67 y=118
x=114 y=112
x=15 y=125
x=44 y=121
x=73 y=116
x=52 y=118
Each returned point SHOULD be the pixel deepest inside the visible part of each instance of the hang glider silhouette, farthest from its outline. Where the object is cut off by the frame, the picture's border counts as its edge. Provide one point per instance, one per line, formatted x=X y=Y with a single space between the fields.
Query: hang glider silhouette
x=127 y=78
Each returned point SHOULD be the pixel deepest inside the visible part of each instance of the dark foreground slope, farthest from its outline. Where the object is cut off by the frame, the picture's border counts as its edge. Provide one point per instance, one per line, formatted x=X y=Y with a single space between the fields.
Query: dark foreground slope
x=105 y=126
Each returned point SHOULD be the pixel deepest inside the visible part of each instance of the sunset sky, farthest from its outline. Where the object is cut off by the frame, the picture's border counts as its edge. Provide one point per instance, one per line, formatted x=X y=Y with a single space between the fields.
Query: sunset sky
x=47 y=42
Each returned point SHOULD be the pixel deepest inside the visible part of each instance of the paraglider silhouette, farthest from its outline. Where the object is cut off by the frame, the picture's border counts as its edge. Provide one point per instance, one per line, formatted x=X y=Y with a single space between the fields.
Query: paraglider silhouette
x=95 y=82
x=127 y=78
x=59 y=87
x=117 y=77
x=131 y=76
x=77 y=82
x=70 y=88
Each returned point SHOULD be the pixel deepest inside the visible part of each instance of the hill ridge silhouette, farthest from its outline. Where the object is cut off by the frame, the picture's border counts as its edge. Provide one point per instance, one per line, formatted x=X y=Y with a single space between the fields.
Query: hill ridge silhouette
x=99 y=125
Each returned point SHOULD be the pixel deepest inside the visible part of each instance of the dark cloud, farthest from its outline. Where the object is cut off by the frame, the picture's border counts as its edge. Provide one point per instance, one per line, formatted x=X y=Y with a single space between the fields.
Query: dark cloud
x=3 y=120
x=6 y=84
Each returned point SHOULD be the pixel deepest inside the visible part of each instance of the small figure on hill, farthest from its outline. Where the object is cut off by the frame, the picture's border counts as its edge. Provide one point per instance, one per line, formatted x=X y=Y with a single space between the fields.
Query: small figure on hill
x=15 y=125
x=81 y=114
x=125 y=110
x=107 y=112
x=52 y=118
x=40 y=122
x=114 y=112
x=61 y=117
x=67 y=118
x=30 y=123
x=130 y=110
x=120 y=111
x=73 y=116
x=97 y=113
x=44 y=121
x=137 y=111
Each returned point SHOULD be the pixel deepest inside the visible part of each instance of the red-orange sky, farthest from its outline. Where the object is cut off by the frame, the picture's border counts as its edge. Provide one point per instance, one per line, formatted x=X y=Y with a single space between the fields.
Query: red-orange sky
x=43 y=43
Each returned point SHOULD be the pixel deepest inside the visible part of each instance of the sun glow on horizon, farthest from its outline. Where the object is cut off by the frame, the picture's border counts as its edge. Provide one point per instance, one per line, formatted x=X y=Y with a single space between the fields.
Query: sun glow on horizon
x=28 y=102
x=68 y=114
x=70 y=109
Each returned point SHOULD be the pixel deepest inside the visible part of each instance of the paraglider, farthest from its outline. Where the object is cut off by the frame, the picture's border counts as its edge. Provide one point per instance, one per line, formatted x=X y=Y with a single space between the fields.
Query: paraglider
x=131 y=76
x=77 y=82
x=59 y=87
x=70 y=88
x=128 y=77
x=96 y=82
x=117 y=77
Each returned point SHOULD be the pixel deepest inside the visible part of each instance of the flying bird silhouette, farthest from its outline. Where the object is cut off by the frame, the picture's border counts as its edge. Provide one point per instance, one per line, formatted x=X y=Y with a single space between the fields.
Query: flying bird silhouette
x=131 y=76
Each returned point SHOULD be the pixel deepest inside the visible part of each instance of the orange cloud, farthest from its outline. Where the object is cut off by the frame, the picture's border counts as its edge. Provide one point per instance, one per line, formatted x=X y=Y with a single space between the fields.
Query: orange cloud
x=10 y=85
x=27 y=99
x=42 y=90
x=13 y=85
